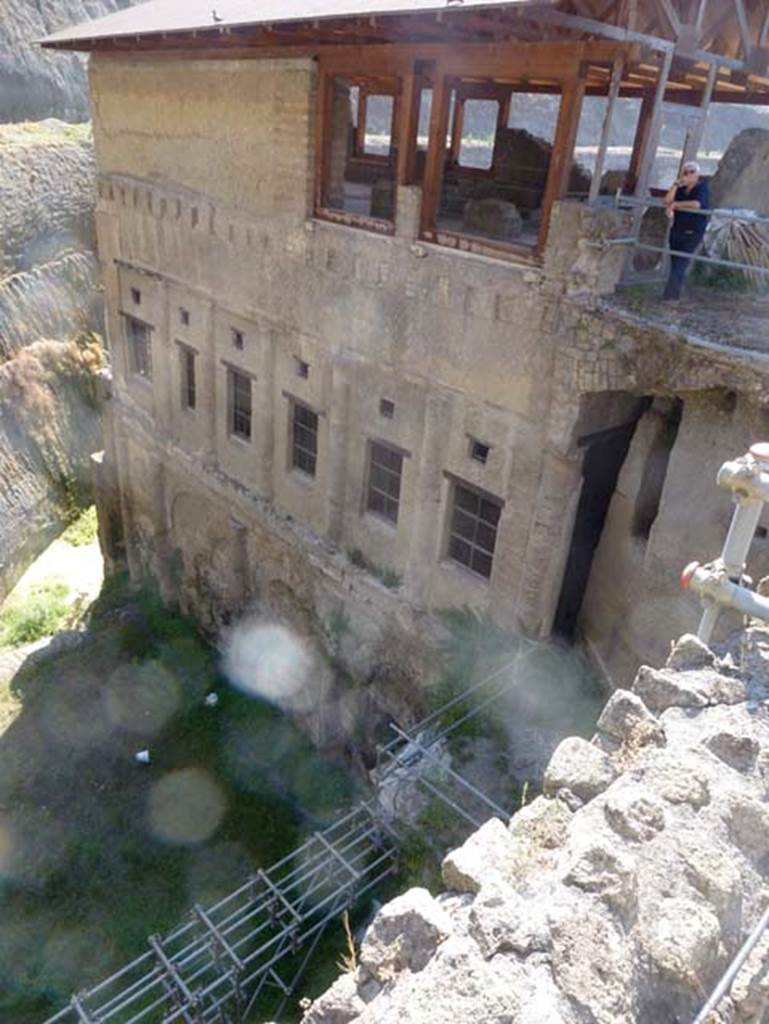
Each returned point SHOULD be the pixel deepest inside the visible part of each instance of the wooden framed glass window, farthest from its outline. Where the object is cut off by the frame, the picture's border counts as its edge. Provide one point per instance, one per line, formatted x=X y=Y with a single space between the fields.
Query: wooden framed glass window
x=384 y=481
x=473 y=528
x=494 y=188
x=239 y=404
x=357 y=155
x=304 y=442
x=138 y=335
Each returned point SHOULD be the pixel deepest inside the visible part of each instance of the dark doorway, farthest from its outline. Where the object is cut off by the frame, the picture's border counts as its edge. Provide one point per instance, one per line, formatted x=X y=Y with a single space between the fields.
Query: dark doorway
x=606 y=451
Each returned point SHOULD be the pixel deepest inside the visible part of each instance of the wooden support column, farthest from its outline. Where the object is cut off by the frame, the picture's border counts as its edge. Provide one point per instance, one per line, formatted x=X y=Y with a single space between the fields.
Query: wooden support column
x=407 y=127
x=360 y=127
x=616 y=80
x=456 y=129
x=563 y=150
x=436 y=149
x=502 y=118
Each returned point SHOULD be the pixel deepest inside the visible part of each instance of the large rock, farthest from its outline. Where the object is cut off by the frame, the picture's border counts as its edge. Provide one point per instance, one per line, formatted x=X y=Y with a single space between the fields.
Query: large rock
x=667 y=688
x=492 y=218
x=681 y=937
x=580 y=768
x=404 y=935
x=742 y=178
x=486 y=855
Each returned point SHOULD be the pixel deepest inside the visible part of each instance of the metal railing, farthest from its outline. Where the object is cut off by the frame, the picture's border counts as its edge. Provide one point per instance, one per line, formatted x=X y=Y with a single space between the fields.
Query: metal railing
x=633 y=242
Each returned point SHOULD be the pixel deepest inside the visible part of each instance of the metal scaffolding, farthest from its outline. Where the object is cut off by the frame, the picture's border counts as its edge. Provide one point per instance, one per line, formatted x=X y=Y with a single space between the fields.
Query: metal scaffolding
x=214 y=968
x=258 y=940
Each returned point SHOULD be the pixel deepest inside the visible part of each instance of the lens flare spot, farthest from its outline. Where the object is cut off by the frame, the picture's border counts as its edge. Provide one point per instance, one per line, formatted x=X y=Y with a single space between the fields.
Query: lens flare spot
x=185 y=807
x=269 y=661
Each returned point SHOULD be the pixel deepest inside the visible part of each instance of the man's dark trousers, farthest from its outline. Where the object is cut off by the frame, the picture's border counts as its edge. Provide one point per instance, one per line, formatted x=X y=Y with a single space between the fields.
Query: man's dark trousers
x=680 y=241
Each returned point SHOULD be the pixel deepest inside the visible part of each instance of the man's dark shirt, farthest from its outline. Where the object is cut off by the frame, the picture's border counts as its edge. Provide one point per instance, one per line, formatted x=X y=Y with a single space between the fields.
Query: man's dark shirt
x=688 y=221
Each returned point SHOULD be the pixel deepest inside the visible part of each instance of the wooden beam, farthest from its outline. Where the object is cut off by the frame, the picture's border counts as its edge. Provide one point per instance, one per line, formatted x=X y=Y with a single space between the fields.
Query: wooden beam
x=614 y=86
x=407 y=129
x=436 y=150
x=562 y=155
x=456 y=128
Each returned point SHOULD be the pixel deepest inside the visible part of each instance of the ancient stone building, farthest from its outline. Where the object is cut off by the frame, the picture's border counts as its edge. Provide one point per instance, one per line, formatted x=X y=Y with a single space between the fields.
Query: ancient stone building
x=366 y=366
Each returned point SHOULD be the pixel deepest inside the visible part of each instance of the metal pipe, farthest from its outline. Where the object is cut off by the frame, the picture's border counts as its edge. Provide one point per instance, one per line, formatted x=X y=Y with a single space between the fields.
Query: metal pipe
x=719 y=583
x=732 y=971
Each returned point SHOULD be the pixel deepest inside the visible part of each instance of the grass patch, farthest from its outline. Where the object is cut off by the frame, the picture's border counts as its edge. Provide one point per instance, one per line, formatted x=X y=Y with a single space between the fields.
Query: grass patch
x=93 y=870
x=37 y=613
x=83 y=531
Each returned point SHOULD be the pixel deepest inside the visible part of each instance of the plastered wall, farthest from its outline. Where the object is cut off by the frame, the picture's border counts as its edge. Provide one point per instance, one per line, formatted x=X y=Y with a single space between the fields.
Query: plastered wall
x=193 y=214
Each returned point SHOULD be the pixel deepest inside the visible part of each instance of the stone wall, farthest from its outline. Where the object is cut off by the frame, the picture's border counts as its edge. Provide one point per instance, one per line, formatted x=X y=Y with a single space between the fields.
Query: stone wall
x=524 y=359
x=50 y=398
x=617 y=897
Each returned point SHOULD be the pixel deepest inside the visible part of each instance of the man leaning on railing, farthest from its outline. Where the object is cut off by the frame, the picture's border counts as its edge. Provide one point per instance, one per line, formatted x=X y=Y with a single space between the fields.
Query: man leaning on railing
x=684 y=199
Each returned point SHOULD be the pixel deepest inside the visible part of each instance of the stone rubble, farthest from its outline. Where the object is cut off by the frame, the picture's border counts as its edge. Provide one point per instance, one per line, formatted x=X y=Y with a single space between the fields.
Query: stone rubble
x=621 y=894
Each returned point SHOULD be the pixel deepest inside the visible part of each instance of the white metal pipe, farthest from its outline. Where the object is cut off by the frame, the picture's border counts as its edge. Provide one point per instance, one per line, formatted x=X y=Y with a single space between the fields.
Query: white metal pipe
x=708 y=621
x=740 y=536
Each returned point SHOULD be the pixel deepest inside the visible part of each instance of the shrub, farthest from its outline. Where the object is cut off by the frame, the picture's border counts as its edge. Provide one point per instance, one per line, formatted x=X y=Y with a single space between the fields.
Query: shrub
x=38 y=613
x=83 y=531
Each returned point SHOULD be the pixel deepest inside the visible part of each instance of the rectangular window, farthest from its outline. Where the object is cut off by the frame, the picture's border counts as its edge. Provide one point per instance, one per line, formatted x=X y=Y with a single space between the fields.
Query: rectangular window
x=139 y=348
x=239 y=404
x=304 y=445
x=493 y=188
x=473 y=529
x=384 y=481
x=357 y=172
x=189 y=397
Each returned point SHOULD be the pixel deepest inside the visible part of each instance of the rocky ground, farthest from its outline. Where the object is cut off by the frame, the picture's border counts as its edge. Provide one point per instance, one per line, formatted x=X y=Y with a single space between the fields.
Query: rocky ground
x=617 y=897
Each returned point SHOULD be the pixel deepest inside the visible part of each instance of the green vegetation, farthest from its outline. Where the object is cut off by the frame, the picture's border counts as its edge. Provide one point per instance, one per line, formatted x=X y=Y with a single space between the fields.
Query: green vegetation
x=84 y=530
x=86 y=872
x=389 y=577
x=720 y=279
x=39 y=612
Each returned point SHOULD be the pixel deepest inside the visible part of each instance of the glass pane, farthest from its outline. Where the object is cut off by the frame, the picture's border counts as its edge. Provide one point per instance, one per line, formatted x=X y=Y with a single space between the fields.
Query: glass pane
x=379 y=116
x=486 y=537
x=464 y=524
x=490 y=511
x=460 y=550
x=468 y=500
x=479 y=127
x=481 y=563
x=620 y=147
x=497 y=195
x=360 y=176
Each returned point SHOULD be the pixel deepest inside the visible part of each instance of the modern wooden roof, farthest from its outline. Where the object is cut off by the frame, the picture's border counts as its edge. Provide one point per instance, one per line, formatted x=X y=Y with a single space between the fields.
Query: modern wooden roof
x=733 y=35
